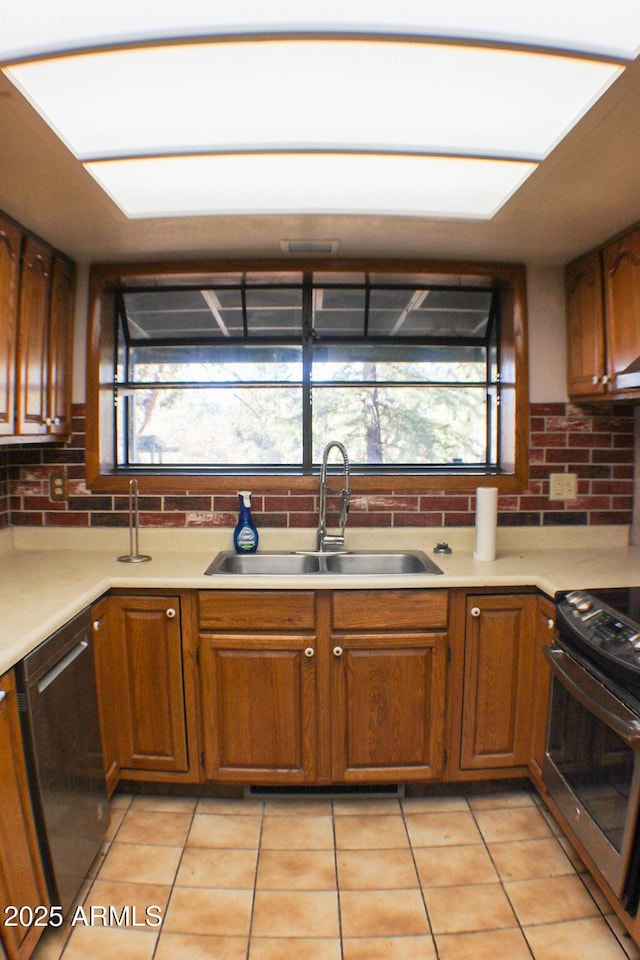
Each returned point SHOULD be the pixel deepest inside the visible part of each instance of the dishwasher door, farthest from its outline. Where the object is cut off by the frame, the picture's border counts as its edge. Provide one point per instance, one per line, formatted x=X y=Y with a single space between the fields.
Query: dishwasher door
x=60 y=717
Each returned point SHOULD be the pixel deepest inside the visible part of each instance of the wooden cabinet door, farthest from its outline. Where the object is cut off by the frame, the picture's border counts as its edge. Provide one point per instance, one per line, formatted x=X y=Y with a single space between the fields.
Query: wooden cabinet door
x=60 y=355
x=33 y=341
x=146 y=647
x=586 y=359
x=21 y=878
x=388 y=707
x=259 y=707
x=545 y=619
x=106 y=668
x=498 y=681
x=10 y=246
x=622 y=298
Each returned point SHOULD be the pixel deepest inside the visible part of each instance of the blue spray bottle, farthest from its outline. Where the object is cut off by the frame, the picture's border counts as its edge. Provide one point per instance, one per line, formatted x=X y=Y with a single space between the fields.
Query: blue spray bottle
x=245 y=535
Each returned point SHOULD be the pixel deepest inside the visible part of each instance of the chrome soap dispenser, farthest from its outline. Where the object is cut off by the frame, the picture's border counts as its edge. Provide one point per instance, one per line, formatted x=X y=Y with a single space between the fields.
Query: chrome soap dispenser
x=245 y=535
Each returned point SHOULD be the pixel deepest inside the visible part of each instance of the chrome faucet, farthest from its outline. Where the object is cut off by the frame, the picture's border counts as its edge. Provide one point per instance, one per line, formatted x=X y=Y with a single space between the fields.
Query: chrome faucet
x=324 y=539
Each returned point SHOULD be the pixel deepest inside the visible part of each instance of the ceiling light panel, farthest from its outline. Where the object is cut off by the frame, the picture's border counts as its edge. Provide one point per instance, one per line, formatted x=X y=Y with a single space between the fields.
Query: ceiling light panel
x=313 y=94
x=308 y=183
x=39 y=27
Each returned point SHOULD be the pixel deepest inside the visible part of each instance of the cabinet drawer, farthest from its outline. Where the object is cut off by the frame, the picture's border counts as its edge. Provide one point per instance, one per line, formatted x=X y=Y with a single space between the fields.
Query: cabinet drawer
x=389 y=609
x=257 y=610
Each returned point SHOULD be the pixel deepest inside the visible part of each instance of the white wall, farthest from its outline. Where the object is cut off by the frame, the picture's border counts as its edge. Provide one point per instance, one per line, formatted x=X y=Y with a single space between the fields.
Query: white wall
x=547 y=344
x=547 y=351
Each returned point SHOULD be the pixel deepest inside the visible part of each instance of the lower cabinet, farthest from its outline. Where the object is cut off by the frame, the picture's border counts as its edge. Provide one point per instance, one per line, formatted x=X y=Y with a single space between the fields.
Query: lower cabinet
x=299 y=687
x=145 y=666
x=493 y=673
x=22 y=882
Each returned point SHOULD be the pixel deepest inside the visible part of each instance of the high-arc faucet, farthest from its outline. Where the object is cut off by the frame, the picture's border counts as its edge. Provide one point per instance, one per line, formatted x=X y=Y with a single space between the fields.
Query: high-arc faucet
x=325 y=540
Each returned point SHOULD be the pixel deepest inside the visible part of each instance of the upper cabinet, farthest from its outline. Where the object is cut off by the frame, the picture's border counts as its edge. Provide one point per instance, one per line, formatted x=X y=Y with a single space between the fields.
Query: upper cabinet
x=586 y=365
x=603 y=321
x=36 y=338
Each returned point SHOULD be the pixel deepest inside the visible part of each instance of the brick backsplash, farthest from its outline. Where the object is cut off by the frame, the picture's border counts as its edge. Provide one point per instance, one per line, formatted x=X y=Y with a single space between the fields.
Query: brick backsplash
x=596 y=443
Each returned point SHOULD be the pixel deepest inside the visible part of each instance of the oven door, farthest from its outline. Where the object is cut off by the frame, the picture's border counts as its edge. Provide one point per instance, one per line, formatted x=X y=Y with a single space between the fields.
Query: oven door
x=592 y=765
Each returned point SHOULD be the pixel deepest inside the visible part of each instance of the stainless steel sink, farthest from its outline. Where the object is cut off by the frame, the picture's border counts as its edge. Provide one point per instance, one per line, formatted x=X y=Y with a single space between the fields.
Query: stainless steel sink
x=382 y=563
x=354 y=563
x=276 y=564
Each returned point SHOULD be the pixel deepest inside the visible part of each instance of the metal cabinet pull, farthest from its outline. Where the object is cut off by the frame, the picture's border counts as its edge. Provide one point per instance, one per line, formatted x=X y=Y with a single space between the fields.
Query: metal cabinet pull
x=475 y=611
x=550 y=623
x=309 y=652
x=3 y=695
x=337 y=651
x=96 y=625
x=171 y=613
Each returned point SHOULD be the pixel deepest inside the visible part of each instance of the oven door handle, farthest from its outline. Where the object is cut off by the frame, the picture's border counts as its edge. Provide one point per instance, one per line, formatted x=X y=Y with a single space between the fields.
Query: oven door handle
x=593 y=696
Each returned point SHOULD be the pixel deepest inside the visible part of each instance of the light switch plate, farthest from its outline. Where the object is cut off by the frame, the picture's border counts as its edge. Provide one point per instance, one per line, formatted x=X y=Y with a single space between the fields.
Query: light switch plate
x=563 y=486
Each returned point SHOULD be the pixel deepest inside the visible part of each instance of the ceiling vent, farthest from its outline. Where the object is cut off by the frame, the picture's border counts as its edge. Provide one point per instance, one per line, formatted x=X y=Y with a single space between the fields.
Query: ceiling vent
x=313 y=247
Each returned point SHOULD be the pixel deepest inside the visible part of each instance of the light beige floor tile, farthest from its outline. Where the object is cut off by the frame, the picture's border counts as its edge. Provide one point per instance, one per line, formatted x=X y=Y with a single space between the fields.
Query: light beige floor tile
x=225 y=830
x=581 y=939
x=297 y=913
x=130 y=902
x=184 y=946
x=383 y=913
x=550 y=900
x=454 y=866
x=530 y=859
x=51 y=943
x=139 y=863
x=282 y=807
x=216 y=913
x=165 y=804
x=211 y=867
x=98 y=860
x=296 y=870
x=502 y=799
x=370 y=833
x=117 y=816
x=121 y=800
x=435 y=804
x=236 y=807
x=365 y=806
x=105 y=943
x=276 y=948
x=469 y=909
x=154 y=827
x=390 y=948
x=297 y=833
x=442 y=829
x=495 y=945
x=376 y=869
x=518 y=823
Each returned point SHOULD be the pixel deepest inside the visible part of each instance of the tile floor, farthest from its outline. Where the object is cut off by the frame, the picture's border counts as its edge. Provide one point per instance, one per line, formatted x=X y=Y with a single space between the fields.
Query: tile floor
x=442 y=878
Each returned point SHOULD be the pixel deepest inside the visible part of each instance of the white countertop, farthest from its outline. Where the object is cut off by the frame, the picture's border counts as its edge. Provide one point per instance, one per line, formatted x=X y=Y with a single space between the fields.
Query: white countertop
x=49 y=575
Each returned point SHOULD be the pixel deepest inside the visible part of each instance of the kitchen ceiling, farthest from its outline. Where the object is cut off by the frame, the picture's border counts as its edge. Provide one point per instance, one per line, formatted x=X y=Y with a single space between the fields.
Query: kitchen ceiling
x=252 y=98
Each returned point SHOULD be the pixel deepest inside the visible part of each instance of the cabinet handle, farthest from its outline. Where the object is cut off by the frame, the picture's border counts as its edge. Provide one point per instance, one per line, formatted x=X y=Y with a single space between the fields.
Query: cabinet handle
x=550 y=623
x=337 y=651
x=604 y=379
x=171 y=613
x=475 y=611
x=309 y=652
x=3 y=695
x=96 y=625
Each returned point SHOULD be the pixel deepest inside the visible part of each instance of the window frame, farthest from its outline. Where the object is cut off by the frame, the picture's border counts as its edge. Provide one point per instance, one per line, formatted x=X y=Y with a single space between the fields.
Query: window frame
x=105 y=280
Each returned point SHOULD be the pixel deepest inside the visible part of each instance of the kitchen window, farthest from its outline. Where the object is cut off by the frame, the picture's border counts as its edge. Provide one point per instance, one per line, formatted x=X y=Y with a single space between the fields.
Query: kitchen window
x=250 y=374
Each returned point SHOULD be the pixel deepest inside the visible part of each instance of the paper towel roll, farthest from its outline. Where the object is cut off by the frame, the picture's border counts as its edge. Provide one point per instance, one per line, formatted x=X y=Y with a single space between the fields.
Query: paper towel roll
x=486 y=523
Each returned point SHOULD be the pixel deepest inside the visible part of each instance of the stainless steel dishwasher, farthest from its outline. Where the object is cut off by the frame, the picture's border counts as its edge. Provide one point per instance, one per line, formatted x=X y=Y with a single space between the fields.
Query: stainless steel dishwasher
x=59 y=713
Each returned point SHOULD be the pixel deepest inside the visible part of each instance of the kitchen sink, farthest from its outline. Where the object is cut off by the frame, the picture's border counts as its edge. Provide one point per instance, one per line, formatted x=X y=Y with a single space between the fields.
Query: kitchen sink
x=348 y=562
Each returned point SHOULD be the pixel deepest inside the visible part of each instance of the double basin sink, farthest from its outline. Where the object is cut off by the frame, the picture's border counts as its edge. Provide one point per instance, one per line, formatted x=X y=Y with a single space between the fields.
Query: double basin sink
x=305 y=563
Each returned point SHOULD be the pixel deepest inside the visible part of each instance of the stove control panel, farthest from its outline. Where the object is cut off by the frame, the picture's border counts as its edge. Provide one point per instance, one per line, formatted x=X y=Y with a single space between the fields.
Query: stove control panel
x=600 y=626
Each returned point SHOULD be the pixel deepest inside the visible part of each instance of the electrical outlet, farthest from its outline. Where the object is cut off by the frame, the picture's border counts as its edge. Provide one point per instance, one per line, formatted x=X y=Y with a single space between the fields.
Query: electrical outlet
x=58 y=485
x=563 y=486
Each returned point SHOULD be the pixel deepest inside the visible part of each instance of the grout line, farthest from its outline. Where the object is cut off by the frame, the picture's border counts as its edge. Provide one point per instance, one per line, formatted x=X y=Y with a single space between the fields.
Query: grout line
x=420 y=887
